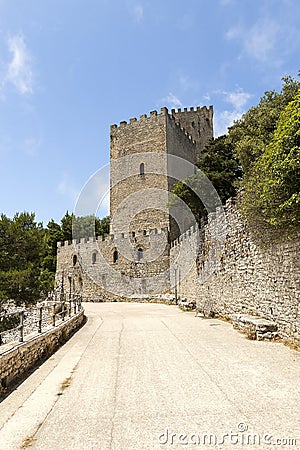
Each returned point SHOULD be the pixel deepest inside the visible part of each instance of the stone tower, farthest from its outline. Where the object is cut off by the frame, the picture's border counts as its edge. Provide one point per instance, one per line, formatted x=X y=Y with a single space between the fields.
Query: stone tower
x=135 y=258
x=135 y=169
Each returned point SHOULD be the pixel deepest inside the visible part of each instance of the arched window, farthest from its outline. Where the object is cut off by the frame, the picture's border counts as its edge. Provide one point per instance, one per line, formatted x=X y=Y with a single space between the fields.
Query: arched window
x=94 y=257
x=140 y=254
x=142 y=169
x=74 y=260
x=115 y=256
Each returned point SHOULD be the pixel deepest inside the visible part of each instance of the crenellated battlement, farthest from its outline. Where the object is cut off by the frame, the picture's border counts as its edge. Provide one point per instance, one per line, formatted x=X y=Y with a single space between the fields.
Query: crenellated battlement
x=196 y=123
x=203 y=109
x=186 y=235
x=114 y=237
x=143 y=117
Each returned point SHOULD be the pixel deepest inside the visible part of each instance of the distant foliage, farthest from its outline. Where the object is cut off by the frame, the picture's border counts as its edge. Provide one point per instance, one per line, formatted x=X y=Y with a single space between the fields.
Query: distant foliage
x=88 y=226
x=22 y=249
x=28 y=252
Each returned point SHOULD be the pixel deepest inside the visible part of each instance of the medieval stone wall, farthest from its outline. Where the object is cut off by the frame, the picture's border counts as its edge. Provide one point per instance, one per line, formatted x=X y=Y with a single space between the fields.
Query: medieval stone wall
x=235 y=274
x=106 y=269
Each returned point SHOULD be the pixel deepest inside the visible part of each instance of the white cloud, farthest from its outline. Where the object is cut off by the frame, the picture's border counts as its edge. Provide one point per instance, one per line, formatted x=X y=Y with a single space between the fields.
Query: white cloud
x=223 y=120
x=262 y=40
x=31 y=146
x=266 y=41
x=234 y=32
x=206 y=98
x=172 y=101
x=137 y=12
x=19 y=71
x=227 y=2
x=187 y=83
x=67 y=188
x=238 y=98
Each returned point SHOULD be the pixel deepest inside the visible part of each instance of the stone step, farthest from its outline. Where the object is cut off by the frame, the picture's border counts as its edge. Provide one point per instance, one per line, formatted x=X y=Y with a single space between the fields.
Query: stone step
x=255 y=327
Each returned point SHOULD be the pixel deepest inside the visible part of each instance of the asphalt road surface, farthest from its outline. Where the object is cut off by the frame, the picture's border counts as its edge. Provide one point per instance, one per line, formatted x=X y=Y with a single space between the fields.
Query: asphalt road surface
x=149 y=376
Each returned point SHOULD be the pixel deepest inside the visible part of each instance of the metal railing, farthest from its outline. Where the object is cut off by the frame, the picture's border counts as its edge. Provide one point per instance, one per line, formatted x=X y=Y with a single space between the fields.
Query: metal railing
x=52 y=311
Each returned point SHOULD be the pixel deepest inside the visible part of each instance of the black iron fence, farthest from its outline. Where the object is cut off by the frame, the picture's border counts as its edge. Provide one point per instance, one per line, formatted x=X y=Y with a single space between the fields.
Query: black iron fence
x=51 y=312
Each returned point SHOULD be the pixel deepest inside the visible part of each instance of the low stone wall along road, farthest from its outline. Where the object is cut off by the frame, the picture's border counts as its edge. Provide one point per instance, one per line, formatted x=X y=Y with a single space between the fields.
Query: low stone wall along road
x=149 y=376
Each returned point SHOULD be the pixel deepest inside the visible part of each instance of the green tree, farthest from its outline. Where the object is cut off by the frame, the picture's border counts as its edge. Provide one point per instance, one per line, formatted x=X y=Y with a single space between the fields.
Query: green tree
x=253 y=132
x=76 y=227
x=272 y=190
x=89 y=226
x=102 y=226
x=67 y=226
x=221 y=167
x=53 y=235
x=22 y=249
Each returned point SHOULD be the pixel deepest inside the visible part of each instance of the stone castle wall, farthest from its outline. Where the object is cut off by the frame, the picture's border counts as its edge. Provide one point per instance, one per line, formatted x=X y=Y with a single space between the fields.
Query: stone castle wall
x=235 y=274
x=94 y=271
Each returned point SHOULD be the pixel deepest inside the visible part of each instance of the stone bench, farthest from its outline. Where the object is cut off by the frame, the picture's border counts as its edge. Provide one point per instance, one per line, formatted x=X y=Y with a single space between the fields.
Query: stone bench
x=255 y=327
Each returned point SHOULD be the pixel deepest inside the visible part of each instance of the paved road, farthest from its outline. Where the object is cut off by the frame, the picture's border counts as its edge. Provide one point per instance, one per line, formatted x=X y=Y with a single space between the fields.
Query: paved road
x=137 y=375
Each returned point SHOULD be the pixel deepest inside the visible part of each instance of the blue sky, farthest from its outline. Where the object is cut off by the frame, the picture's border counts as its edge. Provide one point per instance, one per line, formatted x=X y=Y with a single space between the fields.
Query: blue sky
x=70 y=68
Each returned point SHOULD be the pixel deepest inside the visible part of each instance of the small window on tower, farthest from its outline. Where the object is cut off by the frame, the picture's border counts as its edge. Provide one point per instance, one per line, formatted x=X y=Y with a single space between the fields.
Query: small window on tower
x=115 y=256
x=142 y=169
x=193 y=124
x=140 y=254
x=94 y=258
x=74 y=260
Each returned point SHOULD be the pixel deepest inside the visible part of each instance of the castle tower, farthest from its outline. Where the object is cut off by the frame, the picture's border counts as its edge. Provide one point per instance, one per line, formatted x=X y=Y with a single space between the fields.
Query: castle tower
x=145 y=155
x=139 y=164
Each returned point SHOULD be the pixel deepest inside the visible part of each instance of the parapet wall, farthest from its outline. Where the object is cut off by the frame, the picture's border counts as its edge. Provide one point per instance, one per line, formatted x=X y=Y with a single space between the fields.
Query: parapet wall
x=111 y=237
x=16 y=362
x=177 y=114
x=235 y=274
x=131 y=137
